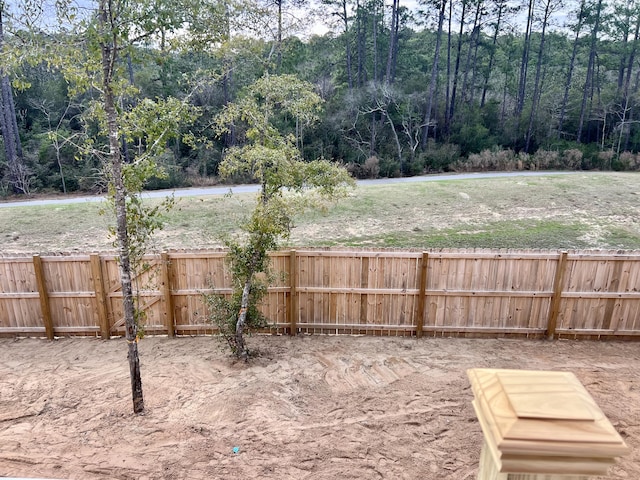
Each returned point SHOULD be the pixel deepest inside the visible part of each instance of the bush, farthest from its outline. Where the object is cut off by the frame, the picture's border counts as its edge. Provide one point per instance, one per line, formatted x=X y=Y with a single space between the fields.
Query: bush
x=605 y=160
x=369 y=169
x=389 y=168
x=627 y=161
x=222 y=312
x=439 y=157
x=572 y=159
x=546 y=160
x=489 y=160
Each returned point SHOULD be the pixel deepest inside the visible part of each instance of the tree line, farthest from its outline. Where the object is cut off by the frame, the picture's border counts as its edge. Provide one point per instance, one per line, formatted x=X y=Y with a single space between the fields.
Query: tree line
x=444 y=85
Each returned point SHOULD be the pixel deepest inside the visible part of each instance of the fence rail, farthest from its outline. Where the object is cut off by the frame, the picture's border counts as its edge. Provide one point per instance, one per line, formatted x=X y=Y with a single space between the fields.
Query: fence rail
x=381 y=292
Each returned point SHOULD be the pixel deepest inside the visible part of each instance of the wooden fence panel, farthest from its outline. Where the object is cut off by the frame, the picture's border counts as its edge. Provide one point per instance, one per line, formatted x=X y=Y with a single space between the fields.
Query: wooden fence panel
x=357 y=292
x=601 y=295
x=20 y=311
x=194 y=274
x=489 y=292
x=347 y=291
x=146 y=287
x=72 y=298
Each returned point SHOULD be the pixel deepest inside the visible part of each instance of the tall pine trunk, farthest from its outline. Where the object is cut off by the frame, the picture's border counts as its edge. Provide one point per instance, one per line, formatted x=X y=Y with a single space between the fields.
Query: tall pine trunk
x=452 y=106
x=492 y=54
x=447 y=118
x=524 y=63
x=548 y=8
x=567 y=85
x=347 y=40
x=9 y=123
x=473 y=41
x=361 y=38
x=393 y=43
x=434 y=77
x=627 y=83
x=587 y=92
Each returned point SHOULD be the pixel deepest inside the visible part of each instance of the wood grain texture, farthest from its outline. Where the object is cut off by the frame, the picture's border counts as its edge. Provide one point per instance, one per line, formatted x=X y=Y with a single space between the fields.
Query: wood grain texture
x=539 y=422
x=453 y=292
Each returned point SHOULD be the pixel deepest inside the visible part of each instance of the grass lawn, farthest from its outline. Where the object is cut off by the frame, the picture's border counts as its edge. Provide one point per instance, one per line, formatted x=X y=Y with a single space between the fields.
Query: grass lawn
x=579 y=211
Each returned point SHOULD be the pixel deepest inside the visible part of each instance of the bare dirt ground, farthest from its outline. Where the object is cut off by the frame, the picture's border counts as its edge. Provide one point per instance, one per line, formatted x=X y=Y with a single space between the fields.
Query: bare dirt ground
x=306 y=408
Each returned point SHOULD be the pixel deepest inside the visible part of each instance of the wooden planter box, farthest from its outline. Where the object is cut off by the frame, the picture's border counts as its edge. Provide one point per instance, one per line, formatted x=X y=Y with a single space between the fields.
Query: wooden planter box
x=541 y=426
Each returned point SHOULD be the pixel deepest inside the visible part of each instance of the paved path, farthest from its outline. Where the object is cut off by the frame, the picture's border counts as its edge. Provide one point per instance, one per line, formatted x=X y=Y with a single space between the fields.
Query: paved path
x=199 y=192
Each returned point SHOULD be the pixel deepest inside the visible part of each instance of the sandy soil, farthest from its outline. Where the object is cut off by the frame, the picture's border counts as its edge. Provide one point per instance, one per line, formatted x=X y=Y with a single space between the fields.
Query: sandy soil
x=307 y=408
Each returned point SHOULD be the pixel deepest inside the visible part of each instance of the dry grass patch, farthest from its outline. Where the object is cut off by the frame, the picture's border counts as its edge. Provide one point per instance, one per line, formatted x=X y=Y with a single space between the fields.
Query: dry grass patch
x=581 y=210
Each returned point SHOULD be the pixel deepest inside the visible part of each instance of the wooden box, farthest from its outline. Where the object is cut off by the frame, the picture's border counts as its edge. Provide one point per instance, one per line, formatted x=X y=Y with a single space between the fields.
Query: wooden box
x=541 y=424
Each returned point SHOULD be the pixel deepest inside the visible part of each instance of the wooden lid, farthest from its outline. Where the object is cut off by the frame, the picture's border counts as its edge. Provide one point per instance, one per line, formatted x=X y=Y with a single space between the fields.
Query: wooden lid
x=543 y=422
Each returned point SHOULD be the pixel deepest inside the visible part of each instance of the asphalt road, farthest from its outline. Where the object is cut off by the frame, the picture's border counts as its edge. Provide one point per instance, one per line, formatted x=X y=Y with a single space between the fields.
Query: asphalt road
x=200 y=192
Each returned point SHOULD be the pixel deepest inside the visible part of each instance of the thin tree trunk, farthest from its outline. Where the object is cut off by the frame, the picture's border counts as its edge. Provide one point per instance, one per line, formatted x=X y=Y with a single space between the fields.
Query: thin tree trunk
x=589 y=82
x=434 y=77
x=536 y=89
x=375 y=44
x=524 y=64
x=452 y=106
x=393 y=40
x=241 y=348
x=360 y=33
x=624 y=30
x=109 y=50
x=394 y=59
x=447 y=118
x=635 y=91
x=279 y=40
x=492 y=55
x=347 y=40
x=567 y=85
x=627 y=81
x=473 y=39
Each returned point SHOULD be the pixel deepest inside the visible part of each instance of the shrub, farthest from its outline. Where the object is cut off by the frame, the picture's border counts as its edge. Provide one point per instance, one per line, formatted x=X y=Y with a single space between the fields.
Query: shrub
x=439 y=157
x=371 y=167
x=546 y=159
x=628 y=161
x=605 y=159
x=489 y=160
x=223 y=312
x=572 y=159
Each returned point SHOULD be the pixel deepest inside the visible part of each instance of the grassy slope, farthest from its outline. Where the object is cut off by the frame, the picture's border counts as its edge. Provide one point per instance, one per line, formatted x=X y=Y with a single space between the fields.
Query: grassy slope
x=585 y=210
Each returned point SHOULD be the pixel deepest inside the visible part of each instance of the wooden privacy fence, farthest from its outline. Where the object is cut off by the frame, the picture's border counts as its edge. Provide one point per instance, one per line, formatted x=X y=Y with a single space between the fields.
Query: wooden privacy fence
x=453 y=292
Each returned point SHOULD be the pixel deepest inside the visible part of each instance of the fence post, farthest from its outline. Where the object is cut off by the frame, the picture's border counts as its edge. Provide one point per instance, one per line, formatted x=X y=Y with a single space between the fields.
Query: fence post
x=554 y=307
x=165 y=265
x=293 y=294
x=44 y=297
x=101 y=303
x=422 y=293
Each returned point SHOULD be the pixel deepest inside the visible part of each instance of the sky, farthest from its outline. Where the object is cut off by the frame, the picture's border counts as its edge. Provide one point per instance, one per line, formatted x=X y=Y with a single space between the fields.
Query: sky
x=313 y=25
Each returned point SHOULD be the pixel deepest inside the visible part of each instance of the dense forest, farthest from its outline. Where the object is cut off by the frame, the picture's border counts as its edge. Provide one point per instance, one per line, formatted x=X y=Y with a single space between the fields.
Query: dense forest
x=407 y=89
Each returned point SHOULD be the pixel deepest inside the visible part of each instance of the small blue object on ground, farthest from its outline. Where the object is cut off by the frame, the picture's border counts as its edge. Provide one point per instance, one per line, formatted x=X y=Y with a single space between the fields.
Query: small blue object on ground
x=236 y=449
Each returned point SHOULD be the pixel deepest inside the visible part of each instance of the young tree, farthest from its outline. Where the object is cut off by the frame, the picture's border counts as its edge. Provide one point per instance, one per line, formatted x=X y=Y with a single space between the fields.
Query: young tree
x=88 y=50
x=288 y=185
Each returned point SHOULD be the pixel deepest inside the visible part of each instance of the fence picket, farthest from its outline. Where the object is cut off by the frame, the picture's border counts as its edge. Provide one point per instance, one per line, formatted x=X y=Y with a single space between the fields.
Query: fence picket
x=380 y=292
